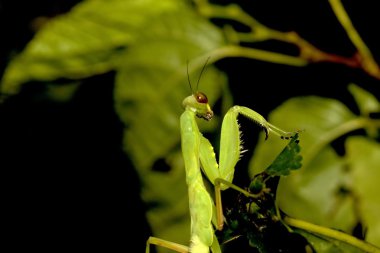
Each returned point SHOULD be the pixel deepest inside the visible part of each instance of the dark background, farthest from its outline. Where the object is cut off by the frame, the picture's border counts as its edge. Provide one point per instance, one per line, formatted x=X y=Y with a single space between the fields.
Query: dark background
x=67 y=182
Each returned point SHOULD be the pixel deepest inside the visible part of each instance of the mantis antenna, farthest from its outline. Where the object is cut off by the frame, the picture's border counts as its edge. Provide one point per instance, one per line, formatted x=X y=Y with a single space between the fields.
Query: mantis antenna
x=200 y=75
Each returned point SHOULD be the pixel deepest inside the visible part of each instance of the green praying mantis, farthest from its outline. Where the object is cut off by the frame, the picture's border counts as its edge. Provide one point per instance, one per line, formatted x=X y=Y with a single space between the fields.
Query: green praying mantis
x=199 y=156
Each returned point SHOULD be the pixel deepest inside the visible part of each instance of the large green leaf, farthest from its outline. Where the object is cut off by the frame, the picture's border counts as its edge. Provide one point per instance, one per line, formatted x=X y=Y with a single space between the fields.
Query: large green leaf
x=363 y=157
x=148 y=99
x=85 y=42
x=150 y=86
x=311 y=193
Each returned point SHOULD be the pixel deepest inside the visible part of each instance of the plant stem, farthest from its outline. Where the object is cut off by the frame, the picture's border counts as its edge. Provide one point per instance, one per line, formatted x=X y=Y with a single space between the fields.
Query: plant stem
x=368 y=62
x=307 y=52
x=342 y=129
x=257 y=54
x=331 y=233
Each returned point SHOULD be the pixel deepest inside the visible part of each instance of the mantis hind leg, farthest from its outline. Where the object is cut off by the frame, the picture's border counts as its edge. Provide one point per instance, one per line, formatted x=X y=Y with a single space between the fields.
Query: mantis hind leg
x=215 y=247
x=167 y=244
x=218 y=198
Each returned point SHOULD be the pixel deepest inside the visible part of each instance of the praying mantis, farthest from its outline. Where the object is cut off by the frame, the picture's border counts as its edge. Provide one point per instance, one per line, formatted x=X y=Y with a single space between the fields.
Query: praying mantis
x=200 y=159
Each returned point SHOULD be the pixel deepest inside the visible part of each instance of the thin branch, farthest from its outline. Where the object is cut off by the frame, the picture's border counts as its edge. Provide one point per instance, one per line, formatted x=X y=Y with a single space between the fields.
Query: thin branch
x=368 y=62
x=342 y=129
x=331 y=233
x=257 y=54
x=307 y=52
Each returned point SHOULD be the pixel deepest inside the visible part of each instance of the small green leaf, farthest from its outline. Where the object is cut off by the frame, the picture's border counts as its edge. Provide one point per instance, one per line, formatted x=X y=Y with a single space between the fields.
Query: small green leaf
x=289 y=159
x=366 y=101
x=367 y=104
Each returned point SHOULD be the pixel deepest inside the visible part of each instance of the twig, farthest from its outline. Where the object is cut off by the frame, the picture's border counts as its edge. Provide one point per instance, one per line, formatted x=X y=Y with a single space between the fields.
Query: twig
x=364 y=54
x=331 y=233
x=307 y=52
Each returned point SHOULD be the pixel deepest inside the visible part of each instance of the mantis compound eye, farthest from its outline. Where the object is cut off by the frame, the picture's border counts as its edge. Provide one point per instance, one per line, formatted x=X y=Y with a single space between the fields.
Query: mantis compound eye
x=201 y=97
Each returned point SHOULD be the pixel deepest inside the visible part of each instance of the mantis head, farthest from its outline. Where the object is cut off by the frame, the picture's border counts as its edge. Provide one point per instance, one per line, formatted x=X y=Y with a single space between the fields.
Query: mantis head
x=198 y=103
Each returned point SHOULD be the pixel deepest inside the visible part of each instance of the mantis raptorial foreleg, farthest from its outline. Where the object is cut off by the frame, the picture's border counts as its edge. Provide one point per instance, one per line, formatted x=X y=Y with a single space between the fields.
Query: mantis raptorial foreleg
x=198 y=153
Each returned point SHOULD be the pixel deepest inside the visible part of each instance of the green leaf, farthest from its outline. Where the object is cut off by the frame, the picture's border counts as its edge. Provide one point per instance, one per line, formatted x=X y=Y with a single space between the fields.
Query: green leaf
x=311 y=193
x=363 y=157
x=289 y=159
x=316 y=117
x=328 y=245
x=366 y=101
x=151 y=83
x=367 y=104
x=86 y=41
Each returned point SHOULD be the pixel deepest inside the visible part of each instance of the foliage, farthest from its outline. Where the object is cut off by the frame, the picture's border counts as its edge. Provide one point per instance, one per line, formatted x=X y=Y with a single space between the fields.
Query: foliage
x=148 y=44
x=256 y=219
x=301 y=194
